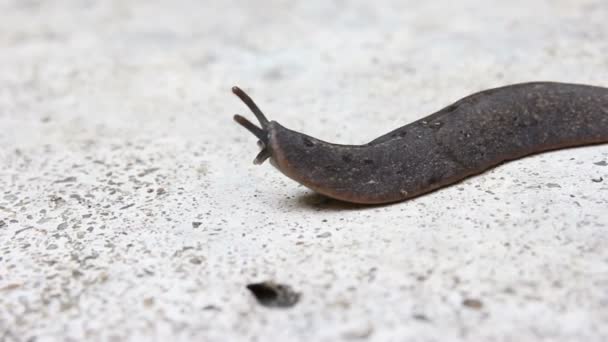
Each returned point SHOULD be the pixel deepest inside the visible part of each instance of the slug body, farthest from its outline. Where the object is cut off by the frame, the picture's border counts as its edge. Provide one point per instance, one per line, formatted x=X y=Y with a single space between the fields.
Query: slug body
x=468 y=137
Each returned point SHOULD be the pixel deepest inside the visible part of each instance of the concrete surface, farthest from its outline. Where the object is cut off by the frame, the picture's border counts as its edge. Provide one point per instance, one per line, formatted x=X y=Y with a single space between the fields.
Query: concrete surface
x=130 y=210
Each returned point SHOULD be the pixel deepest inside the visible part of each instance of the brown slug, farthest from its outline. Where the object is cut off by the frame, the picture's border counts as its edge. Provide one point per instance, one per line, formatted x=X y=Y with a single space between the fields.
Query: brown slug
x=468 y=137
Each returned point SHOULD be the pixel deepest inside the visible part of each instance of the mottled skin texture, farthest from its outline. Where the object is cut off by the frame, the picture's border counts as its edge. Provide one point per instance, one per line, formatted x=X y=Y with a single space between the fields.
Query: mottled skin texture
x=463 y=139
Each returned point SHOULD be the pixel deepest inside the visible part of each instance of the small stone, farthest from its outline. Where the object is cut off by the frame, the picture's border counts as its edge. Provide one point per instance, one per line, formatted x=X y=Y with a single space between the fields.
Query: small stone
x=472 y=303
x=127 y=206
x=10 y=287
x=66 y=180
x=420 y=317
x=148 y=302
x=211 y=307
x=196 y=261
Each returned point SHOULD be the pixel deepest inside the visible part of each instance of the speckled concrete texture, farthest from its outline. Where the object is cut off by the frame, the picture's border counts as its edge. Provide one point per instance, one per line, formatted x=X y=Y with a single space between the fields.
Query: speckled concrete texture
x=130 y=209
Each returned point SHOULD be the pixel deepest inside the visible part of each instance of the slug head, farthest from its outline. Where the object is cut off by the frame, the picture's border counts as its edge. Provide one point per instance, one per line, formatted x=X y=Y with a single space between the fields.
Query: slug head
x=326 y=168
x=263 y=133
x=286 y=149
x=298 y=156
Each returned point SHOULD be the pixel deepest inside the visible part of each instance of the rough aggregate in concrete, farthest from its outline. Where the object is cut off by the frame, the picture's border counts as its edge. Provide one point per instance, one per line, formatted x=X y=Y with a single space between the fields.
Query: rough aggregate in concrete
x=130 y=210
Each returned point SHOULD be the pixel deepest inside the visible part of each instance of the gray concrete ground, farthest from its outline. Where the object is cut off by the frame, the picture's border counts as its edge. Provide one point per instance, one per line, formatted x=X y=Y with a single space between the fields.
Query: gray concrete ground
x=130 y=210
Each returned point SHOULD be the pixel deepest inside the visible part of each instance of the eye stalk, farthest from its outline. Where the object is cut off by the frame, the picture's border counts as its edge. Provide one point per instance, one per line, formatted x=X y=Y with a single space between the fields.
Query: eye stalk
x=251 y=127
x=260 y=133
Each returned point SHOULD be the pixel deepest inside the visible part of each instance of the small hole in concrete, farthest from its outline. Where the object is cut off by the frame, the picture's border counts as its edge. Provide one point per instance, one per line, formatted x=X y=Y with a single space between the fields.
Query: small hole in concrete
x=271 y=294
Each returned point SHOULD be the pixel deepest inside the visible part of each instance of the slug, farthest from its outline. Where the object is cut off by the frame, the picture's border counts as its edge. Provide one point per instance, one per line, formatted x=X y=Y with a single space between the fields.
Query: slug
x=466 y=138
